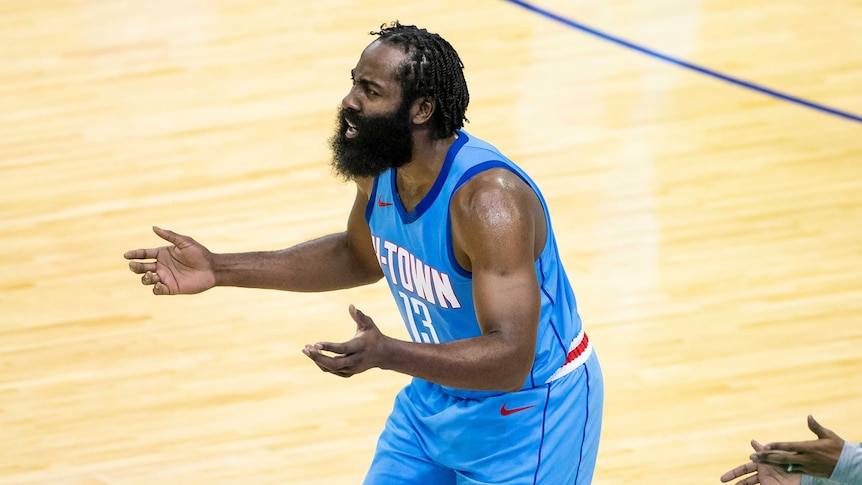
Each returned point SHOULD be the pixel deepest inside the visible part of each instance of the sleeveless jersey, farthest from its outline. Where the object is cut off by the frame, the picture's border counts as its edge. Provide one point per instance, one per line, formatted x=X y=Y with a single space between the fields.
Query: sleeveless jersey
x=432 y=290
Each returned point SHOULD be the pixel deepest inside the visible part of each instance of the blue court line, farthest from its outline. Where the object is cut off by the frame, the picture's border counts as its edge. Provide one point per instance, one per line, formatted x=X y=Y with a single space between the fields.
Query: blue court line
x=687 y=65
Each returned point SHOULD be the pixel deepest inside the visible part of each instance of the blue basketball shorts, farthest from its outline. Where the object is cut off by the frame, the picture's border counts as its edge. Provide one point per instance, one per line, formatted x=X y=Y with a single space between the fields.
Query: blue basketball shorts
x=547 y=435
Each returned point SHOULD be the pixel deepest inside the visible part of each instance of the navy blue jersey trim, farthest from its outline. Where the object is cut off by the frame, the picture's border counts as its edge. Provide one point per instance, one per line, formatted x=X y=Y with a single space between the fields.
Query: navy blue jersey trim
x=542 y=442
x=469 y=174
x=431 y=196
x=586 y=422
x=450 y=250
x=553 y=304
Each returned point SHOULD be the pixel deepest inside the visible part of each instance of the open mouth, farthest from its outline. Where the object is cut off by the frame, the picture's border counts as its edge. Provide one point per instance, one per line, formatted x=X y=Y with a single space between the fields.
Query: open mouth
x=351 y=130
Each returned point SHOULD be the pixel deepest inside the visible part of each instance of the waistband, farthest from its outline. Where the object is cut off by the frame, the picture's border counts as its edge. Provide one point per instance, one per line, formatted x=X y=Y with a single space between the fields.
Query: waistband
x=579 y=351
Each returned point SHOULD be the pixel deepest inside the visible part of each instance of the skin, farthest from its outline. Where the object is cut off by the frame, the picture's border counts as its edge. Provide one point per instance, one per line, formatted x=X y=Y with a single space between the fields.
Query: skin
x=769 y=463
x=761 y=473
x=815 y=457
x=498 y=227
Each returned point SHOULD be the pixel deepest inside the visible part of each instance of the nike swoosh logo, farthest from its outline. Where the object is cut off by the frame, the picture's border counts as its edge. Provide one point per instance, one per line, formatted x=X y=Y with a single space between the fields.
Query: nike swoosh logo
x=506 y=412
x=380 y=203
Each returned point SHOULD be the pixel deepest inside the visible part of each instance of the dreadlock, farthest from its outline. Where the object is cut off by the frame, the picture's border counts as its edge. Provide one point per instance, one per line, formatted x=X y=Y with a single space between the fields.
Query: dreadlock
x=433 y=69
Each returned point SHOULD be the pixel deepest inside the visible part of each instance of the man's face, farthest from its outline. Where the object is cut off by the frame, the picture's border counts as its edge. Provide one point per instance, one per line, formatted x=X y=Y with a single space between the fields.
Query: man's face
x=366 y=146
x=374 y=129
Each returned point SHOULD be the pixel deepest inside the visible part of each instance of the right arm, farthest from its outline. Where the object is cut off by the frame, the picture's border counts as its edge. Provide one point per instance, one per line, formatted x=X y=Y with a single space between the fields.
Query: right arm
x=343 y=260
x=337 y=261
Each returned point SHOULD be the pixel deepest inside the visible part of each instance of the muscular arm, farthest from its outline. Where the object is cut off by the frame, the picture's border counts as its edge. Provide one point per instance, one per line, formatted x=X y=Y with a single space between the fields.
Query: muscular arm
x=332 y=262
x=499 y=229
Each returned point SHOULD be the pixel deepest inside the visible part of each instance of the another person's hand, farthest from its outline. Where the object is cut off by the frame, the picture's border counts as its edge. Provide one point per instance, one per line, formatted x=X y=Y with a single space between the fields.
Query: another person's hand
x=184 y=268
x=761 y=473
x=357 y=355
x=816 y=457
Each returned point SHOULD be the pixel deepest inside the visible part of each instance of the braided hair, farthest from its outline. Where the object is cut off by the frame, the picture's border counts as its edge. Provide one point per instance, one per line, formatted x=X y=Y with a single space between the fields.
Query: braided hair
x=433 y=69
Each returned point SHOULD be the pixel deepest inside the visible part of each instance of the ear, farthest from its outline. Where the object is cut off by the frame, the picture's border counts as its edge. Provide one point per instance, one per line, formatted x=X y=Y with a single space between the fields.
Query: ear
x=422 y=110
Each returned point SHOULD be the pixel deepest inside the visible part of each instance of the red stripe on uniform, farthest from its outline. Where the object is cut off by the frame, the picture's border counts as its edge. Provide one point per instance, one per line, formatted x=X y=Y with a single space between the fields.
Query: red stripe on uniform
x=577 y=351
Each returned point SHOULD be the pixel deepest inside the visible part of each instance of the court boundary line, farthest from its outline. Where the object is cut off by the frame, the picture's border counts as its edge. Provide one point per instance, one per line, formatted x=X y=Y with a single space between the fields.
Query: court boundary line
x=687 y=65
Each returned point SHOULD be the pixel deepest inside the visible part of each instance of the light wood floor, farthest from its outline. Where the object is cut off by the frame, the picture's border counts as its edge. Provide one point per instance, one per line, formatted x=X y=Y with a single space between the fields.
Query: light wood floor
x=713 y=234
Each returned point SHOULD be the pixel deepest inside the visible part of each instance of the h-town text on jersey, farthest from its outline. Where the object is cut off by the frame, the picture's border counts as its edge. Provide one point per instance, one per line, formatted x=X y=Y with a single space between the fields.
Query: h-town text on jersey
x=414 y=276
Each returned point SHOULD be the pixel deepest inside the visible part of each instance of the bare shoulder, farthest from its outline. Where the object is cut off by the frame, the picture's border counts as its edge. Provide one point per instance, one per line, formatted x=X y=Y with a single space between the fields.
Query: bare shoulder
x=494 y=193
x=494 y=214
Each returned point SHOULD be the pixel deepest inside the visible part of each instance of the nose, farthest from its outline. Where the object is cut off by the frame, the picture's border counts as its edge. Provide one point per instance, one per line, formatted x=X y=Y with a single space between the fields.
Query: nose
x=349 y=101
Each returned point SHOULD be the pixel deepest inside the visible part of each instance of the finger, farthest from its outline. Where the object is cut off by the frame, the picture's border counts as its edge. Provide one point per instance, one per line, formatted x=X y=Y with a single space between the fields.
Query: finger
x=150 y=278
x=363 y=321
x=328 y=364
x=150 y=253
x=161 y=289
x=757 y=446
x=787 y=446
x=169 y=236
x=739 y=471
x=139 y=267
x=308 y=350
x=342 y=349
x=819 y=430
x=775 y=457
x=751 y=480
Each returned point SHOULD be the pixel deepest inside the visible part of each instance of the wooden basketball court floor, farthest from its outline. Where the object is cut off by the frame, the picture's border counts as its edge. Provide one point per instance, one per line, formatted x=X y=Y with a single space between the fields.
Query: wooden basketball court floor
x=713 y=232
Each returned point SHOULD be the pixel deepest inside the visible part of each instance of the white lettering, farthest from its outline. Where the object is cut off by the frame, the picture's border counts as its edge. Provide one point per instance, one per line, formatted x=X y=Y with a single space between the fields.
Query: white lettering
x=443 y=288
x=391 y=250
x=376 y=242
x=422 y=279
x=404 y=269
x=415 y=276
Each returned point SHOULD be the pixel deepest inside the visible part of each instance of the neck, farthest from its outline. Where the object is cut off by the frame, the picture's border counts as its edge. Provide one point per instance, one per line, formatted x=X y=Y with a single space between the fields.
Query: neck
x=416 y=177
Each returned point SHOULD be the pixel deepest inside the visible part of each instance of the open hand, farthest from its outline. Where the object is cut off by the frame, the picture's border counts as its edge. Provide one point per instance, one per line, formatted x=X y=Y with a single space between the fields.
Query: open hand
x=761 y=473
x=184 y=268
x=364 y=351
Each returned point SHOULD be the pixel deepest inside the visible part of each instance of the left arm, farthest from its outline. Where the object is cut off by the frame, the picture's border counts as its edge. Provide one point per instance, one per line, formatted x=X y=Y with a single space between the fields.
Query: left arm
x=499 y=229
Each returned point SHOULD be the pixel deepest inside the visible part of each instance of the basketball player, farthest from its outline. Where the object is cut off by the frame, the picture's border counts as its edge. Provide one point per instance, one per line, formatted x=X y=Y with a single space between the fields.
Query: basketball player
x=507 y=388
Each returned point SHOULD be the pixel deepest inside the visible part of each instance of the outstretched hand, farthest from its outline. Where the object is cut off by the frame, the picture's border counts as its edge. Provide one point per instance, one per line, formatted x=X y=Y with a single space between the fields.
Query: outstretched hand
x=761 y=473
x=364 y=351
x=816 y=457
x=184 y=268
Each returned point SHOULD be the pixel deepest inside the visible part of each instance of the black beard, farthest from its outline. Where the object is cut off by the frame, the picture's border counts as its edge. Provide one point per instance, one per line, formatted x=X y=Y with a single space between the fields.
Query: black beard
x=382 y=142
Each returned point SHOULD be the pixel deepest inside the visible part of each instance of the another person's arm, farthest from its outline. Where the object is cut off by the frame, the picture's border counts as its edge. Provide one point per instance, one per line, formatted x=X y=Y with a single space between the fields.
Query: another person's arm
x=817 y=458
x=848 y=470
x=828 y=460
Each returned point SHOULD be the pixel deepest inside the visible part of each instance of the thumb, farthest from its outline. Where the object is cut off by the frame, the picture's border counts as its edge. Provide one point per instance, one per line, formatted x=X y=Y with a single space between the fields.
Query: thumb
x=169 y=236
x=819 y=430
x=756 y=445
x=363 y=321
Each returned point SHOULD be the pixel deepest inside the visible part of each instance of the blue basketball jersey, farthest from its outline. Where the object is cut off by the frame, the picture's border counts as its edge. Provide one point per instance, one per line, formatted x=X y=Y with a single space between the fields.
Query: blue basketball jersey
x=433 y=292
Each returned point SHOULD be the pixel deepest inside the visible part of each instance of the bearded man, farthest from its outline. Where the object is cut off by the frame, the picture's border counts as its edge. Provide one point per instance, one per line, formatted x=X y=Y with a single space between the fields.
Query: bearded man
x=506 y=386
